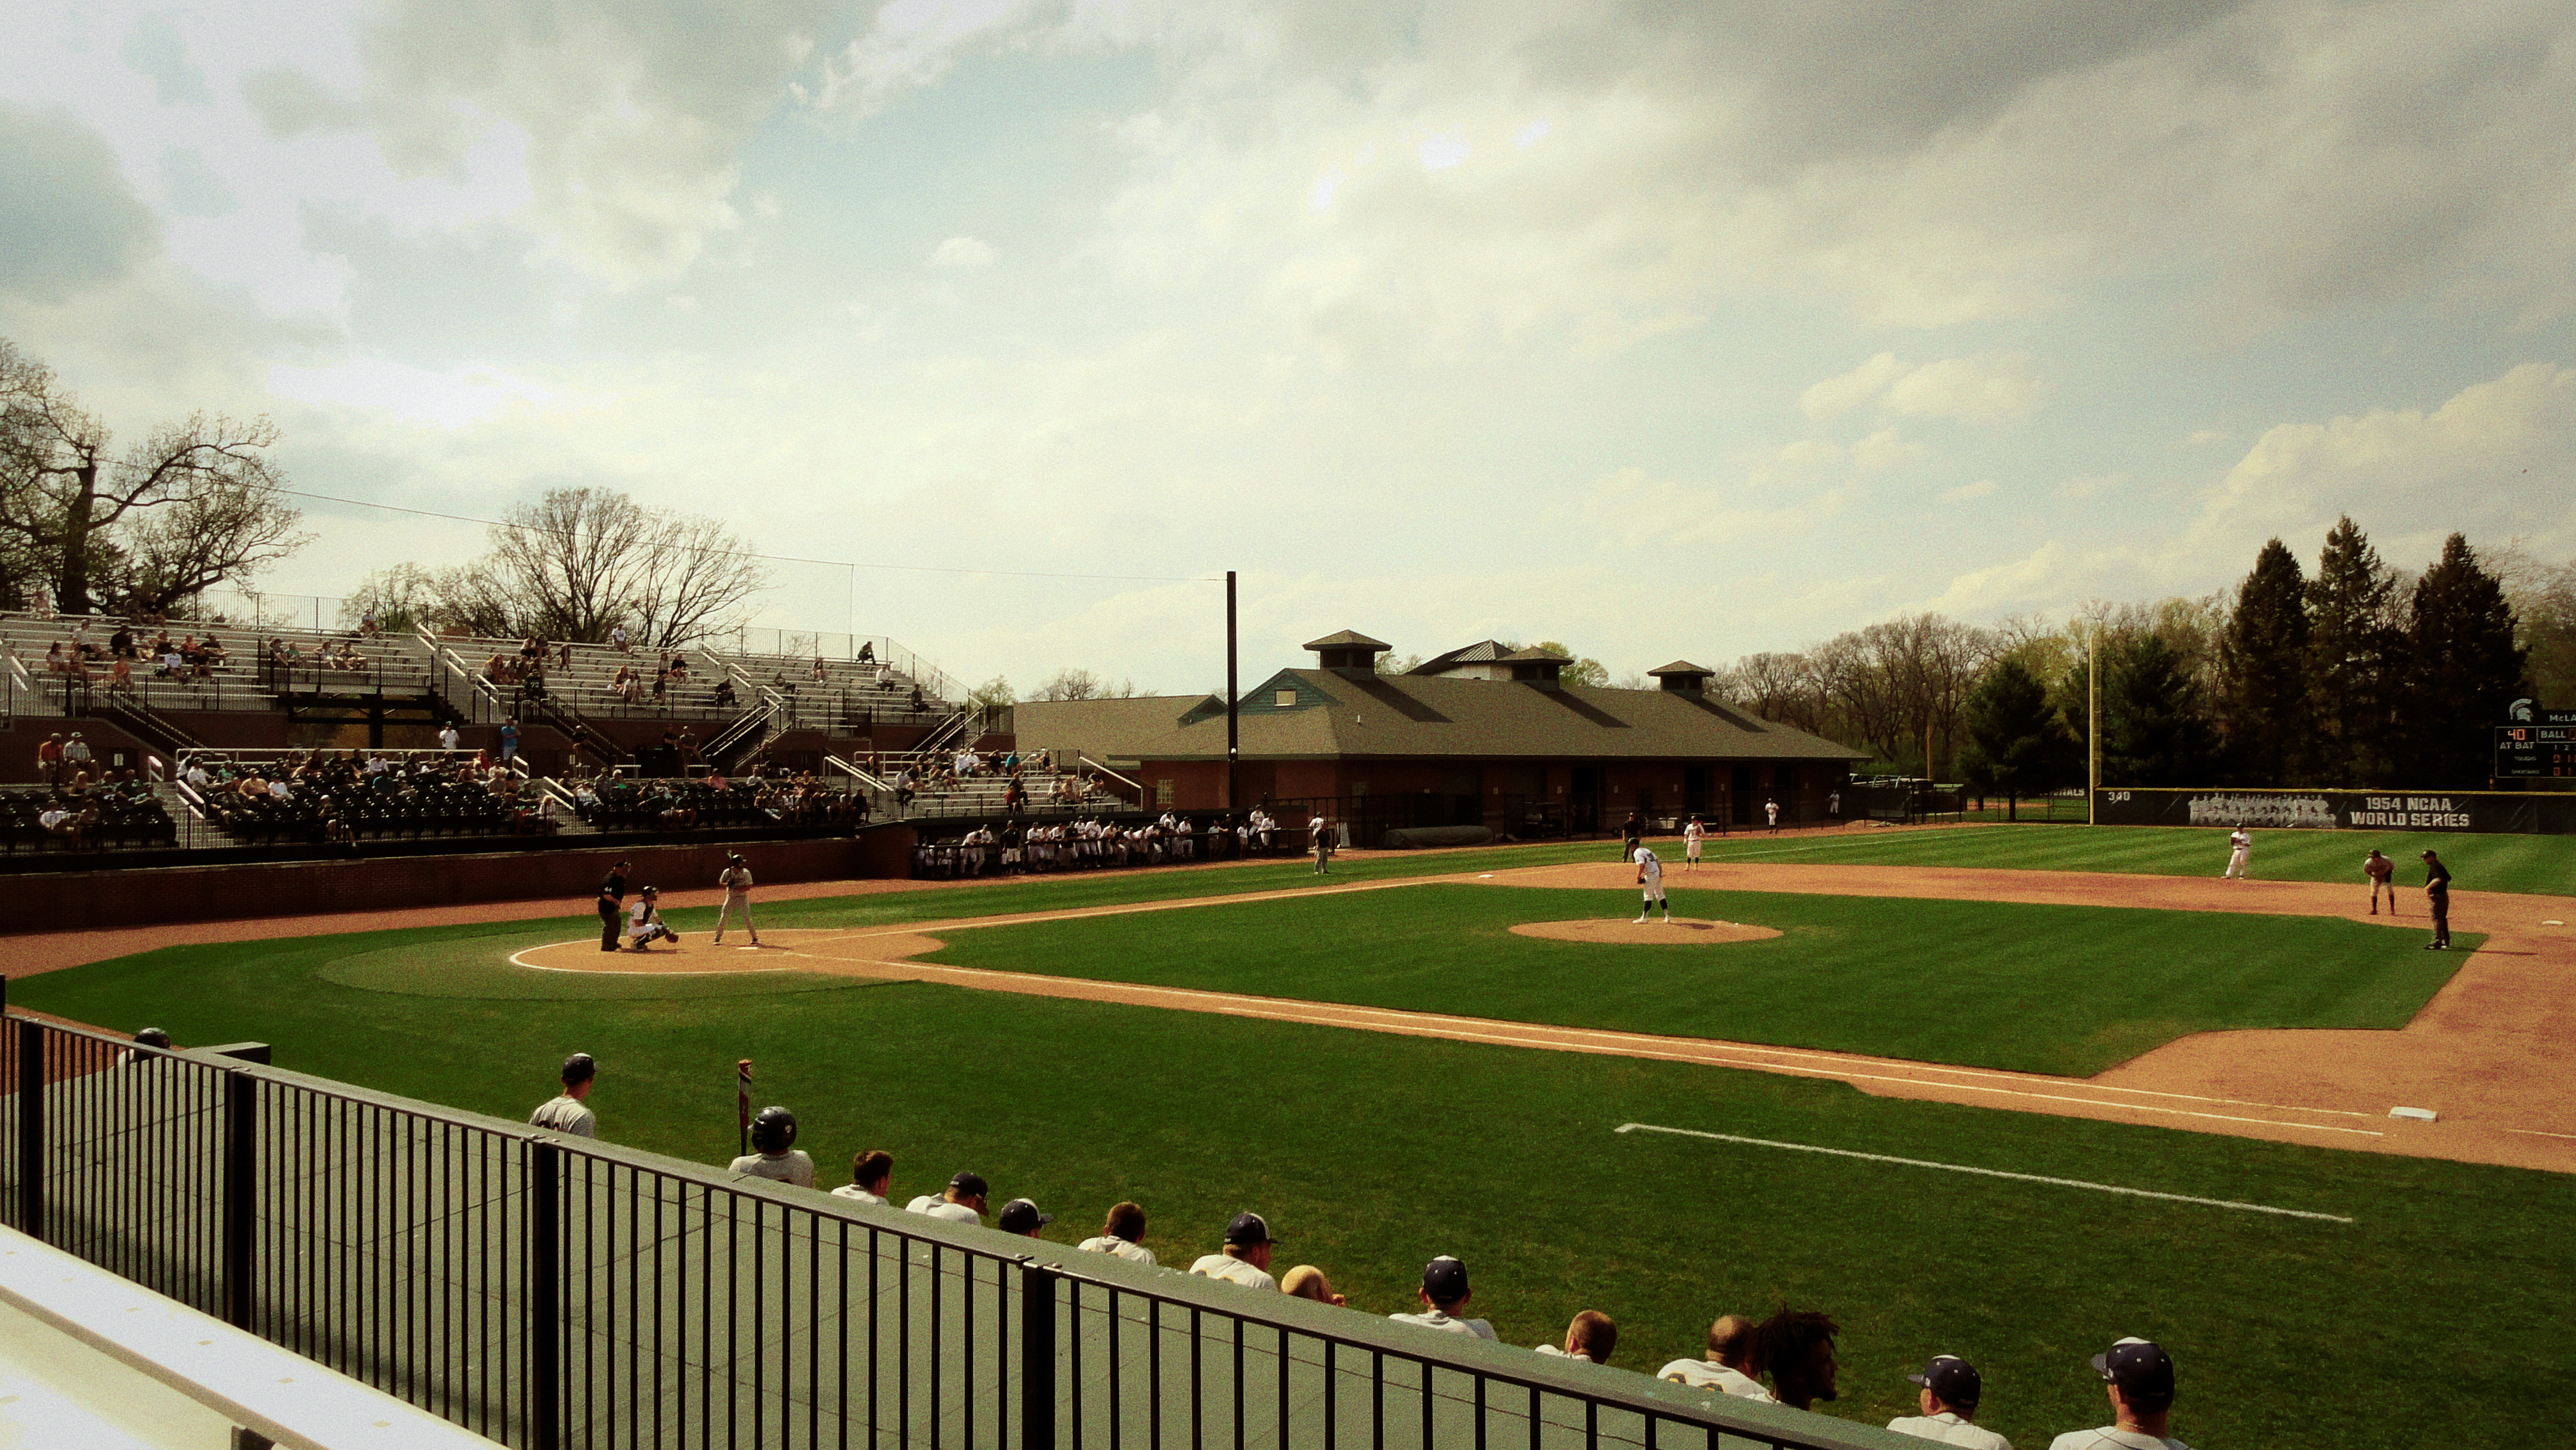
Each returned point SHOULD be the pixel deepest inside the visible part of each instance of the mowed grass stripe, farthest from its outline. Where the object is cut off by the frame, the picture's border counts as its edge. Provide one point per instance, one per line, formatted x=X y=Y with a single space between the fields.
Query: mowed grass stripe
x=1373 y=1153
x=2024 y=988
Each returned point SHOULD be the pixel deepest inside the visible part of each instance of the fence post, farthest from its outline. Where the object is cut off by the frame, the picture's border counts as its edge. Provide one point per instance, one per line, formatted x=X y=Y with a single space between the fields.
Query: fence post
x=545 y=1302
x=31 y=1129
x=1037 y=1357
x=241 y=1163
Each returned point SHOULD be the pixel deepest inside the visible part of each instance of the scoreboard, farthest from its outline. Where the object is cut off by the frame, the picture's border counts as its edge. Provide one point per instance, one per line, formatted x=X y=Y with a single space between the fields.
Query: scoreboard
x=2529 y=751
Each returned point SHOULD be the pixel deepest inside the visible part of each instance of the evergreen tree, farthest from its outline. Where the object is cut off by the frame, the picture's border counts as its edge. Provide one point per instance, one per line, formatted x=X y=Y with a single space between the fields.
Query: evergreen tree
x=2263 y=670
x=2353 y=647
x=2463 y=670
x=2156 y=726
x=2016 y=747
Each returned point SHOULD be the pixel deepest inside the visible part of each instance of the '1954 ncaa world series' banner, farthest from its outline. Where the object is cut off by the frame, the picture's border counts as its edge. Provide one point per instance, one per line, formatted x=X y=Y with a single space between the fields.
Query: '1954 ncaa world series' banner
x=2329 y=810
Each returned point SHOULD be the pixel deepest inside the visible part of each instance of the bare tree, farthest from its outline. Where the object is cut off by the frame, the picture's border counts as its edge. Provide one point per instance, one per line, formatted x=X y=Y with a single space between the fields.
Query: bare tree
x=581 y=561
x=1070 y=683
x=80 y=513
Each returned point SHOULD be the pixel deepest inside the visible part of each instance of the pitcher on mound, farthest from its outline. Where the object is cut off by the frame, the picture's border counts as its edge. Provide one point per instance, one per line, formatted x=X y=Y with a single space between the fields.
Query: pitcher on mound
x=1650 y=880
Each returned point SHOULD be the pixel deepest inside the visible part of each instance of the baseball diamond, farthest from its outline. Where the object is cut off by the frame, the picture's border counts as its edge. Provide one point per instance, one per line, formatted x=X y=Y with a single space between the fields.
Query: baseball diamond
x=2081 y=1055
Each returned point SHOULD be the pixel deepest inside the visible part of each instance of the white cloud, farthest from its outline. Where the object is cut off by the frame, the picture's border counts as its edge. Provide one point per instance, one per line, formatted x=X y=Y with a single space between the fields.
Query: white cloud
x=2494 y=460
x=1989 y=388
x=1443 y=151
x=2093 y=485
x=1836 y=396
x=911 y=44
x=963 y=252
x=1966 y=491
x=1995 y=388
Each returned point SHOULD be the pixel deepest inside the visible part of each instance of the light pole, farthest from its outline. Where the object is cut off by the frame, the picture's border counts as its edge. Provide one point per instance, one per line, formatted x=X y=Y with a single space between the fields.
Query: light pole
x=2093 y=727
x=1233 y=741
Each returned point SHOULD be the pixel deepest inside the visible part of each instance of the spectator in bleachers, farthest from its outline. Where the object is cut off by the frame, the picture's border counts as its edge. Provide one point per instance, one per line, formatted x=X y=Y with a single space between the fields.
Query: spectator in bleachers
x=1443 y=1293
x=724 y=698
x=820 y=674
x=1948 y=1398
x=1797 y=1347
x=1591 y=1337
x=885 y=677
x=1021 y=1217
x=1123 y=1235
x=509 y=738
x=57 y=662
x=120 y=676
x=49 y=758
x=1730 y=1368
x=617 y=637
x=962 y=1201
x=1245 y=1259
x=1308 y=1282
x=774 y=1154
x=2139 y=1377
x=867 y=651
x=871 y=1174
x=60 y=822
x=918 y=704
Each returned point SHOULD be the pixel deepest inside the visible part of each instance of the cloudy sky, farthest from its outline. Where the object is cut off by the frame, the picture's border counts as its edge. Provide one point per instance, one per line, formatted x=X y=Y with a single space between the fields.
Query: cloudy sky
x=1661 y=329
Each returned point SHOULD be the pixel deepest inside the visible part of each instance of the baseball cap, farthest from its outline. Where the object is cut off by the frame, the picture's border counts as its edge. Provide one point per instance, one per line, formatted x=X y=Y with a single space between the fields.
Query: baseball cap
x=1019 y=1216
x=1951 y=1379
x=1248 y=1229
x=2137 y=1366
x=2428 y=855
x=1444 y=1279
x=579 y=1068
x=968 y=1185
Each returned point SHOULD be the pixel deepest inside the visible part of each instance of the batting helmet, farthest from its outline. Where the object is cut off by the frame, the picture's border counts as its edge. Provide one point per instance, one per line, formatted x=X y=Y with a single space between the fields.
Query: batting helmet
x=579 y=1068
x=774 y=1131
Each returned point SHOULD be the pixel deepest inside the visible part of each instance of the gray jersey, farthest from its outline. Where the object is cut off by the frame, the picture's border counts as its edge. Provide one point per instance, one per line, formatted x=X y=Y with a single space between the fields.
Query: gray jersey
x=565 y=1115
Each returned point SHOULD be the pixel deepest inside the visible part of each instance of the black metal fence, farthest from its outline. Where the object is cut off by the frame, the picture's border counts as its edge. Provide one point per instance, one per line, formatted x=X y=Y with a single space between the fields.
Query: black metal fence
x=551 y=1292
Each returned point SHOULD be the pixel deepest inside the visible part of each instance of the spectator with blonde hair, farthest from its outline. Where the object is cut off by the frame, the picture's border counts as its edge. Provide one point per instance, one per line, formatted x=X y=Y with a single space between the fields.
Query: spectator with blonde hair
x=1590 y=1337
x=1308 y=1282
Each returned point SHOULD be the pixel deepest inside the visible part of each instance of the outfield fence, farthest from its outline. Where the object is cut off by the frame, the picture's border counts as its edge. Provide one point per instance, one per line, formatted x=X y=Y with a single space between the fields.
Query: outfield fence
x=552 y=1292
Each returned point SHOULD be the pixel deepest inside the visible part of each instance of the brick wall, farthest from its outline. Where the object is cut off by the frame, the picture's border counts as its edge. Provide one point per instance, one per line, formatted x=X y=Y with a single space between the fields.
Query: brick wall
x=89 y=899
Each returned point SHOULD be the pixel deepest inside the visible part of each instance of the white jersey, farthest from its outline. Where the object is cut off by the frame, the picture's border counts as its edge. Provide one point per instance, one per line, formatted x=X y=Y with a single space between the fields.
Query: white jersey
x=1650 y=867
x=854 y=1191
x=1233 y=1271
x=936 y=1207
x=791 y=1167
x=1473 y=1328
x=1106 y=1244
x=1555 y=1351
x=735 y=878
x=1708 y=1374
x=565 y=1115
x=1949 y=1429
x=2111 y=1437
x=2240 y=842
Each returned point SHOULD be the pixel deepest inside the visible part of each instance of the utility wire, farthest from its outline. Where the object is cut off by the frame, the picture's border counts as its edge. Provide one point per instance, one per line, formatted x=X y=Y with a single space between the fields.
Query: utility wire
x=754 y=554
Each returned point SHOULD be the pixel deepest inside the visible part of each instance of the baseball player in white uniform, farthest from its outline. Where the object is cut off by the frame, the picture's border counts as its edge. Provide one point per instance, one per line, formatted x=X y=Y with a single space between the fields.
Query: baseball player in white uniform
x=735 y=878
x=1650 y=881
x=644 y=921
x=1692 y=835
x=2240 y=842
x=1321 y=837
x=566 y=1112
x=1120 y=1235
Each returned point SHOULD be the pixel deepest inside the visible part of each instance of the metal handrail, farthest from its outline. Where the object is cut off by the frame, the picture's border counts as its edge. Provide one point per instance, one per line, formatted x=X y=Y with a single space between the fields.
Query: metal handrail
x=1137 y=786
x=523 y=1257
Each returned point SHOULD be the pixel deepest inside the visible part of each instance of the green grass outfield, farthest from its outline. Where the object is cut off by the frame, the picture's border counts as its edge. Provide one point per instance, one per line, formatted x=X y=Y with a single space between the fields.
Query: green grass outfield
x=2063 y=989
x=2439 y=1315
x=2542 y=865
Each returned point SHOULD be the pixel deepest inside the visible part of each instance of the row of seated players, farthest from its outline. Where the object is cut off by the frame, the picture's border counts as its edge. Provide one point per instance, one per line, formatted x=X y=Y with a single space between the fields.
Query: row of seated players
x=623 y=803
x=1092 y=845
x=82 y=815
x=340 y=798
x=1794 y=1348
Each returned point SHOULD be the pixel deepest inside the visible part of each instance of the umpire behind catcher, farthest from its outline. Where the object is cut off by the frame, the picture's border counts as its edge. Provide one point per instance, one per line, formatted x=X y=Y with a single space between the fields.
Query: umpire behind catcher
x=612 y=906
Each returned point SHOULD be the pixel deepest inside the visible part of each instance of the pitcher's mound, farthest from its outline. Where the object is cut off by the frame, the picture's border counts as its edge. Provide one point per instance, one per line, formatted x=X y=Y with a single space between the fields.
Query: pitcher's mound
x=1681 y=931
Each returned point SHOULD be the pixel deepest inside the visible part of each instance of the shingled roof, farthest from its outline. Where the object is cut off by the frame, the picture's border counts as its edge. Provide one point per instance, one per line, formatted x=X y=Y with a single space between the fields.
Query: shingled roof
x=1335 y=715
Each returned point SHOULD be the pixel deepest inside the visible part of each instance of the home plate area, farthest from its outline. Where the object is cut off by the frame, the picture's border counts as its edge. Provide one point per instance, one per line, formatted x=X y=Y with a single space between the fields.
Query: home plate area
x=1622 y=931
x=785 y=950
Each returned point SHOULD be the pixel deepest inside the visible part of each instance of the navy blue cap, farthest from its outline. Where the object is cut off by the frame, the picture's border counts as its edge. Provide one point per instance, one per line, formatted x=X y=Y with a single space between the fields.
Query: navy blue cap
x=2137 y=1366
x=1952 y=1380
x=1019 y=1216
x=1247 y=1230
x=1444 y=1279
x=968 y=1185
